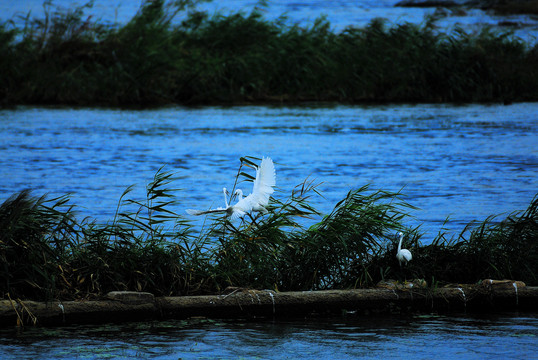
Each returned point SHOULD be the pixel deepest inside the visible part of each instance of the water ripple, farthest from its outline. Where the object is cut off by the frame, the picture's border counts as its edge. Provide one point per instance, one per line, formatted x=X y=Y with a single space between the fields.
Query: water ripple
x=465 y=162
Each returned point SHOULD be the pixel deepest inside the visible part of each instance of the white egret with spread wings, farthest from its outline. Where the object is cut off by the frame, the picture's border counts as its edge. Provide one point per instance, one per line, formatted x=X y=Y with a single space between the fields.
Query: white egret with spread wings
x=256 y=201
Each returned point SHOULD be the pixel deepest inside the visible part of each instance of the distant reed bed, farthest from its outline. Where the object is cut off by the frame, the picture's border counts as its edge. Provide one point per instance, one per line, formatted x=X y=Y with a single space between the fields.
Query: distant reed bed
x=47 y=253
x=69 y=58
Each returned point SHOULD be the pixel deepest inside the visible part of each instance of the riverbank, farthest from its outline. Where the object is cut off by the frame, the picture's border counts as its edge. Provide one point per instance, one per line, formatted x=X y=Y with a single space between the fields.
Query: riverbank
x=488 y=297
x=240 y=58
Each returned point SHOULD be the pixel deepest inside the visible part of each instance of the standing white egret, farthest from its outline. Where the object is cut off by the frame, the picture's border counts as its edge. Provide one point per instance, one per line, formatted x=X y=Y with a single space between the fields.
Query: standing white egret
x=403 y=255
x=255 y=201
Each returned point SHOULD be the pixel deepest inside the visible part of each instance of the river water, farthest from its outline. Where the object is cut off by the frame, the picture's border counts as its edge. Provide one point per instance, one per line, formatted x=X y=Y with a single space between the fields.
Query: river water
x=465 y=162
x=506 y=336
x=462 y=162
x=340 y=13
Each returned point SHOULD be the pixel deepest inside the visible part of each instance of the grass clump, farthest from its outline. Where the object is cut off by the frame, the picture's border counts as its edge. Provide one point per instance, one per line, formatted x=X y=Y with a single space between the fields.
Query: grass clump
x=35 y=235
x=504 y=249
x=68 y=58
x=47 y=253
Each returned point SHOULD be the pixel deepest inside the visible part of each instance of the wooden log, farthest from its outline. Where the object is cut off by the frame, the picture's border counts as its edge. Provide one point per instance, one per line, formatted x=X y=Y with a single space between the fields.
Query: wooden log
x=69 y=312
x=244 y=303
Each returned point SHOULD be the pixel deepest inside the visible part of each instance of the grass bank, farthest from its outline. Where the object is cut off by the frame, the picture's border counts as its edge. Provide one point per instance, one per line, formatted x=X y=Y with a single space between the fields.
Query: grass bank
x=510 y=6
x=69 y=58
x=47 y=253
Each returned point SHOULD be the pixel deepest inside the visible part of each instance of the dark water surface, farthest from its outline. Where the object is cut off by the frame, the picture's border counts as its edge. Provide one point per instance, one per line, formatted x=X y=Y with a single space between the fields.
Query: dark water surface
x=465 y=162
x=509 y=336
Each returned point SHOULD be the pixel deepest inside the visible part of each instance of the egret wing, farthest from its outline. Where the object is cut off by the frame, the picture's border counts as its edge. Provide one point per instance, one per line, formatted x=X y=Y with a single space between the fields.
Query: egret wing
x=264 y=182
x=236 y=214
x=202 y=212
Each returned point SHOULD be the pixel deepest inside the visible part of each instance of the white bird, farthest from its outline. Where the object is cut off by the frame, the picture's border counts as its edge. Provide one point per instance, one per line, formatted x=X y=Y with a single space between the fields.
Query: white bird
x=403 y=255
x=256 y=201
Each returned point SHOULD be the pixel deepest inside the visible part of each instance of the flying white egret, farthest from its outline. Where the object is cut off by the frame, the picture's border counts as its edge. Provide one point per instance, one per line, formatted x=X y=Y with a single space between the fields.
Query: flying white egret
x=403 y=255
x=256 y=201
x=239 y=194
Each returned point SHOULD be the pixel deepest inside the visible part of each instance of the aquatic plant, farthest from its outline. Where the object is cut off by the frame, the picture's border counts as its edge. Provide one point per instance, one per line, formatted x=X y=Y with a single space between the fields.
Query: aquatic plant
x=47 y=253
x=171 y=53
x=504 y=249
x=36 y=234
x=347 y=238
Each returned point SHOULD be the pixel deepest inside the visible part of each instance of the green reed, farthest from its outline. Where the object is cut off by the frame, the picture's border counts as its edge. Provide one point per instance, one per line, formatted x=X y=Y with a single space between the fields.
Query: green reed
x=171 y=53
x=47 y=253
x=502 y=249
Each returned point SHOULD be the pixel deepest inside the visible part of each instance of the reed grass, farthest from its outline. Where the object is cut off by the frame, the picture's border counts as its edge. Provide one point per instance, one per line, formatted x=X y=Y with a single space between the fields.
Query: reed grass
x=496 y=249
x=46 y=253
x=171 y=53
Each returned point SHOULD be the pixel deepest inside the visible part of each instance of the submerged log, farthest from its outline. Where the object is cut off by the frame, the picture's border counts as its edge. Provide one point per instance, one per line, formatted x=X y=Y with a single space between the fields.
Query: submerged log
x=244 y=303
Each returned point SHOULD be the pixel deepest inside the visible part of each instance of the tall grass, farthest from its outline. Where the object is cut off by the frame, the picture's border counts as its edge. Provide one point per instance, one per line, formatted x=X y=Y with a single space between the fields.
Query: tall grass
x=46 y=253
x=171 y=53
x=502 y=249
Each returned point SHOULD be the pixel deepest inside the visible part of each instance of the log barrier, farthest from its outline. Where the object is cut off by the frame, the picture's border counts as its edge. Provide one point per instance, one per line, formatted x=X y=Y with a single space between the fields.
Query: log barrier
x=489 y=296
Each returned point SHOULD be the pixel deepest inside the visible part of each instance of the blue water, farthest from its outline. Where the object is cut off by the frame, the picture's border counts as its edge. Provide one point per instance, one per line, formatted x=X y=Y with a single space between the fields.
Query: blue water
x=508 y=336
x=461 y=162
x=340 y=13
x=466 y=162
